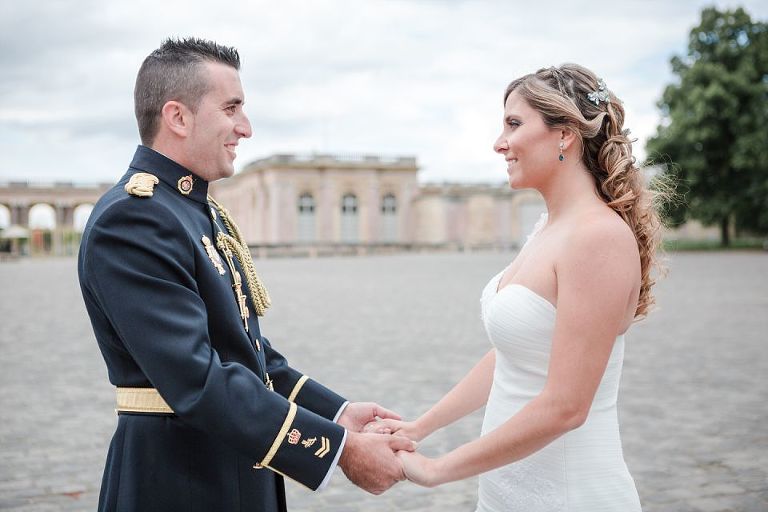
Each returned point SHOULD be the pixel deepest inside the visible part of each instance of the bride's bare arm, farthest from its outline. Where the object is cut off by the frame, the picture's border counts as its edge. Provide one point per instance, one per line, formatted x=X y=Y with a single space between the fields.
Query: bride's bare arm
x=596 y=282
x=467 y=396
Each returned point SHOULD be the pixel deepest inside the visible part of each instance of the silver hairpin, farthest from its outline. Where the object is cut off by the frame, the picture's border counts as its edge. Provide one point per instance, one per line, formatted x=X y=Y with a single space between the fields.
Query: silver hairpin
x=601 y=94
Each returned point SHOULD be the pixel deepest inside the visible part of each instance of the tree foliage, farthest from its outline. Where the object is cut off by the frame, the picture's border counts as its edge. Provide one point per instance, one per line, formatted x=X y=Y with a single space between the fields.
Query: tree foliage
x=713 y=134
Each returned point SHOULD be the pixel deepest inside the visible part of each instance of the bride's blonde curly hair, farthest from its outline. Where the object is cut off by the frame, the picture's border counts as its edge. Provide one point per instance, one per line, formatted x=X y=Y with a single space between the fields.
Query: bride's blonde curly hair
x=561 y=96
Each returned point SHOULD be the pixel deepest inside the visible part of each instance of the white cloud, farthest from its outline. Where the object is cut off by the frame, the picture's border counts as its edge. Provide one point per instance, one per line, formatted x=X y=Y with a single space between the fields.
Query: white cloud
x=422 y=78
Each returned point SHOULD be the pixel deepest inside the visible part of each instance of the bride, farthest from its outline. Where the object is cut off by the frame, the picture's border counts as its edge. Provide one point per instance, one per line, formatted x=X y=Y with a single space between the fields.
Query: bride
x=558 y=314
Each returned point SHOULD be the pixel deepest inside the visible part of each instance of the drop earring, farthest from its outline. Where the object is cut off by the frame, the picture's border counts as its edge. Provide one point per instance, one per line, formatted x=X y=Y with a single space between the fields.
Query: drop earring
x=562 y=156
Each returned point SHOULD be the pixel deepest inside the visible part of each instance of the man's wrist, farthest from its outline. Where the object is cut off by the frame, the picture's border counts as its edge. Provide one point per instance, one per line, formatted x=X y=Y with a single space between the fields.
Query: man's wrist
x=340 y=412
x=346 y=452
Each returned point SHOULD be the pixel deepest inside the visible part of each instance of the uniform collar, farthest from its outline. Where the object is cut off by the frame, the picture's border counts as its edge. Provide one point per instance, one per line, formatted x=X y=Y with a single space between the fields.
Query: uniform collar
x=170 y=172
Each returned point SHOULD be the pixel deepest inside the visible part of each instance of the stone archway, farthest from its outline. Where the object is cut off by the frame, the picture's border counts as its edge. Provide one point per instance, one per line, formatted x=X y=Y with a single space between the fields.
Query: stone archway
x=5 y=217
x=80 y=216
x=42 y=224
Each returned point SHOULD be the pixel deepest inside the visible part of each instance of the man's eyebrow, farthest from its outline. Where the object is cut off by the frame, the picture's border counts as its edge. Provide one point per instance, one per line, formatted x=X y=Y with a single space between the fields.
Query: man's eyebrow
x=235 y=101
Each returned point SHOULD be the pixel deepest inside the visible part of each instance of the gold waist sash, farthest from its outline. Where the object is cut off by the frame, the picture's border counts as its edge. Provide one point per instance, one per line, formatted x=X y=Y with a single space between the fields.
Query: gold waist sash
x=146 y=400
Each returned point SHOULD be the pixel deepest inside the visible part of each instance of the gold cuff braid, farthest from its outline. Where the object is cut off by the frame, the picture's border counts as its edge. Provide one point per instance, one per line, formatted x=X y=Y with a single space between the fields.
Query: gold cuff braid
x=297 y=388
x=234 y=243
x=280 y=436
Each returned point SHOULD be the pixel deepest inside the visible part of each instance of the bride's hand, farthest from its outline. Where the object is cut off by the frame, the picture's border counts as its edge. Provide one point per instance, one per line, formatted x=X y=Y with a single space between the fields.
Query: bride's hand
x=419 y=469
x=407 y=429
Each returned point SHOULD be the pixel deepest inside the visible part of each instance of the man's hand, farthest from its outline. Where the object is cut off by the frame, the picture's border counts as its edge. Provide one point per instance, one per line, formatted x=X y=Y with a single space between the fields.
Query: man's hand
x=409 y=429
x=357 y=414
x=369 y=460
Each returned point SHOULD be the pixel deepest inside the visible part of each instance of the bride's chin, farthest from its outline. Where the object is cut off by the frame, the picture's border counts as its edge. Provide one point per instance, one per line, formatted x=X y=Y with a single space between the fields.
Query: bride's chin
x=514 y=184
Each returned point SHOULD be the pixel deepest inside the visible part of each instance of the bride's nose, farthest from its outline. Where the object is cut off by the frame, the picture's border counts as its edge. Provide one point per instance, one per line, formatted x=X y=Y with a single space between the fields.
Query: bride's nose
x=500 y=145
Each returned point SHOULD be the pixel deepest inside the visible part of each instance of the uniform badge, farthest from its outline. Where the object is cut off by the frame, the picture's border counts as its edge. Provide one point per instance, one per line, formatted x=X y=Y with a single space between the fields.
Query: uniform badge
x=213 y=254
x=309 y=442
x=294 y=436
x=325 y=447
x=185 y=184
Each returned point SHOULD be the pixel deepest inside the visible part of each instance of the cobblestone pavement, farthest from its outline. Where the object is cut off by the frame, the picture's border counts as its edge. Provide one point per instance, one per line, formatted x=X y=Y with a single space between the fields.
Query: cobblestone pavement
x=401 y=330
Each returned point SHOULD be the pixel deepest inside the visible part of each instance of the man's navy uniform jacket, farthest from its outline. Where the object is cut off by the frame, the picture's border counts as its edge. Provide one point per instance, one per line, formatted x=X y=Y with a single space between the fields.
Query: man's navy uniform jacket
x=165 y=317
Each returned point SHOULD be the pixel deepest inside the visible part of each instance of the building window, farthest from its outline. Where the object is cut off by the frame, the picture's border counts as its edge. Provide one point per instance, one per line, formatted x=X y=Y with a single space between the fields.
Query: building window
x=389 y=218
x=306 y=226
x=388 y=204
x=349 y=204
x=349 y=221
x=306 y=204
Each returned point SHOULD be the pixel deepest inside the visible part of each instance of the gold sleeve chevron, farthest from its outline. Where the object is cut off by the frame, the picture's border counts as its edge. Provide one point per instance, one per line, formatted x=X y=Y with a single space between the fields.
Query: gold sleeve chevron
x=280 y=437
x=297 y=388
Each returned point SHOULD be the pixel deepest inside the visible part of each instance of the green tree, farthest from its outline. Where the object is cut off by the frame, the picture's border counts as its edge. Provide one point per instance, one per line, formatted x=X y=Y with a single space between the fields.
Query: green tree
x=714 y=129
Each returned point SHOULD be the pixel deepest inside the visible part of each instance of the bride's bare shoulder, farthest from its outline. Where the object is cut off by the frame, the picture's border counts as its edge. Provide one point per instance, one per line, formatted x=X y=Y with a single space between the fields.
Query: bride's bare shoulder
x=600 y=232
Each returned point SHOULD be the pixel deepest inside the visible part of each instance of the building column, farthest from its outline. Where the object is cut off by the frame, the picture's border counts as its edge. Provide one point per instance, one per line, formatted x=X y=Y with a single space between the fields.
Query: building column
x=20 y=215
x=372 y=232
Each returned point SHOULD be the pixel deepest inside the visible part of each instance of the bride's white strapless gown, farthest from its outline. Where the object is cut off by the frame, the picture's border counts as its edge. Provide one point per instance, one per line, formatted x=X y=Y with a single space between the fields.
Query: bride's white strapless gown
x=584 y=469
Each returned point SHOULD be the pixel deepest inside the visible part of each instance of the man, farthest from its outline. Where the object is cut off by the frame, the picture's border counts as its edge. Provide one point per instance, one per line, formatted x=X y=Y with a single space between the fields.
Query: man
x=210 y=415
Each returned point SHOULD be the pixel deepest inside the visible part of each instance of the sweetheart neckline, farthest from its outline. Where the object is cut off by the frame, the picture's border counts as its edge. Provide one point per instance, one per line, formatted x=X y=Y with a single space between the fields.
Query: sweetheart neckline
x=497 y=292
x=541 y=299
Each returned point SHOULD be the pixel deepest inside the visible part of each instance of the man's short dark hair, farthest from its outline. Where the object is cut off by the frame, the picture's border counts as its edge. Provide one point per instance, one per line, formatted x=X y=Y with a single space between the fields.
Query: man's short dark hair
x=173 y=72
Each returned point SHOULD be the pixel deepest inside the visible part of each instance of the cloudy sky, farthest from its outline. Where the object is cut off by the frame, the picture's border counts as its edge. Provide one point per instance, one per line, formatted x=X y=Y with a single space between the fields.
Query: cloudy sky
x=398 y=77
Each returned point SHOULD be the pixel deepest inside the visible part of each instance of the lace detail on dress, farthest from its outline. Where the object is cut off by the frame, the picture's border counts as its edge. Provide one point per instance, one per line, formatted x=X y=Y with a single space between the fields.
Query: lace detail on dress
x=522 y=488
x=537 y=227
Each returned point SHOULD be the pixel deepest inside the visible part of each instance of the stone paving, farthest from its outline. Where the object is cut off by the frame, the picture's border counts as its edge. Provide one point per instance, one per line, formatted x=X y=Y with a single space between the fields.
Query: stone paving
x=401 y=330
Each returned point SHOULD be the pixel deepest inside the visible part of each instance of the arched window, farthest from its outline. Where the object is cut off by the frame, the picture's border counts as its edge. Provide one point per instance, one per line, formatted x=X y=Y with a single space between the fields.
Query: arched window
x=349 y=223
x=80 y=216
x=306 y=226
x=306 y=204
x=349 y=204
x=389 y=218
x=5 y=217
x=388 y=204
x=42 y=216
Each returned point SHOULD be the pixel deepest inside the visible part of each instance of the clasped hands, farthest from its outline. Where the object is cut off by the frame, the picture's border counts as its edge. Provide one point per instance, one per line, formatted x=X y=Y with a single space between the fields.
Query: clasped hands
x=379 y=451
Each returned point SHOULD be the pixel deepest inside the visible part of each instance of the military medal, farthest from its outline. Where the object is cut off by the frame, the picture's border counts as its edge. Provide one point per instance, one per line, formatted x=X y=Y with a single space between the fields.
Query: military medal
x=238 y=286
x=213 y=254
x=185 y=184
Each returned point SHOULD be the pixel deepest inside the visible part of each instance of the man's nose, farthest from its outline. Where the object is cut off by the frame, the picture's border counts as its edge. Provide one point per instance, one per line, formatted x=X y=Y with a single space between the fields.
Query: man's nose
x=243 y=127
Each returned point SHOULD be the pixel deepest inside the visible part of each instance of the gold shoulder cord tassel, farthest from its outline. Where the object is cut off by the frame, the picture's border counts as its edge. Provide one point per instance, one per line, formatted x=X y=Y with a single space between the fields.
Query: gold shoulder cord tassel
x=234 y=243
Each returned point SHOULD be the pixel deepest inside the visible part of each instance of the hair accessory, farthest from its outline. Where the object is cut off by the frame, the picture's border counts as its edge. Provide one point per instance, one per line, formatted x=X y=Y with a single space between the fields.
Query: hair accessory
x=601 y=94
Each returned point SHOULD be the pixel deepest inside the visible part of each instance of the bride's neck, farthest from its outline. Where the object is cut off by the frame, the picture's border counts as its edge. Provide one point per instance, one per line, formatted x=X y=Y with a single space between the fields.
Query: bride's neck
x=571 y=190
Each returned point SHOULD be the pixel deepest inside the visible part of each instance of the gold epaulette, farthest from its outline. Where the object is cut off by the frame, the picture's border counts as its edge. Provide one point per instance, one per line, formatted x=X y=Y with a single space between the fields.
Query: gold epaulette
x=142 y=184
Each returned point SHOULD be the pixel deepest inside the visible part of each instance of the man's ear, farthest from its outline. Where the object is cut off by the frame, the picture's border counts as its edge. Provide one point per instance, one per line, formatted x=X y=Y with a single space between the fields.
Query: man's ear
x=177 y=118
